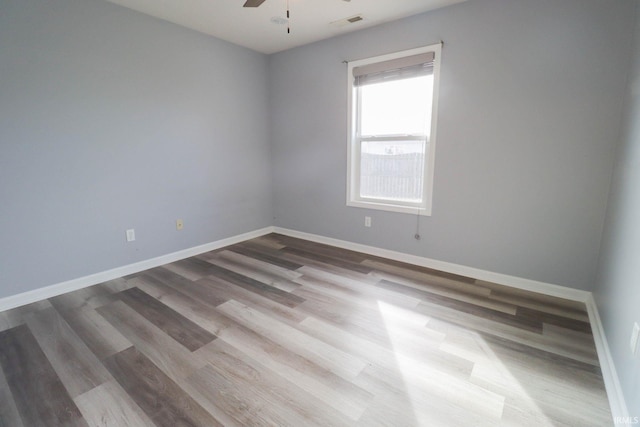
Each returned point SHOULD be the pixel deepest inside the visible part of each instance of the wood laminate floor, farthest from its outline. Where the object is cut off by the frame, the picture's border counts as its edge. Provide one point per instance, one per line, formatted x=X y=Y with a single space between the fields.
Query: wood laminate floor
x=278 y=331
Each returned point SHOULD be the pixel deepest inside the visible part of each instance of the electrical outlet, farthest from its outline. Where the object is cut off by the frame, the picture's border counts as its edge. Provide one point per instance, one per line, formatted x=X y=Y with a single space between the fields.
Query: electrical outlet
x=635 y=332
x=131 y=235
x=367 y=221
x=179 y=224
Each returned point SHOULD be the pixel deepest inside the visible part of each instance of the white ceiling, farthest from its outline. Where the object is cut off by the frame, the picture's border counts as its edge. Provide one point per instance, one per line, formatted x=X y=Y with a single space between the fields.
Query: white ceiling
x=310 y=20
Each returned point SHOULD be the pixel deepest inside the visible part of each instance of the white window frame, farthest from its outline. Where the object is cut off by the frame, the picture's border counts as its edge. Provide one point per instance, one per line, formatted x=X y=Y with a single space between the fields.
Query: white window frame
x=354 y=141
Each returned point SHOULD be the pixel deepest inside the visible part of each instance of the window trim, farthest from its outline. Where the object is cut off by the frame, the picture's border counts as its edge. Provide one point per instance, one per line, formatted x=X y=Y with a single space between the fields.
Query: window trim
x=353 y=143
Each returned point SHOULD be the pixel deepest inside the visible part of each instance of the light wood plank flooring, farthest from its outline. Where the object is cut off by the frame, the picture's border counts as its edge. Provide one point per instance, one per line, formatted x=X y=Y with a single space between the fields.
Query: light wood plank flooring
x=278 y=331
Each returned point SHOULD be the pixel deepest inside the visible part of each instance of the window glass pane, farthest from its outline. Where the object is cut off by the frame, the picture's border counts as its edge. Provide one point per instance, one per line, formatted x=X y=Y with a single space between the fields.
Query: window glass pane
x=400 y=107
x=392 y=170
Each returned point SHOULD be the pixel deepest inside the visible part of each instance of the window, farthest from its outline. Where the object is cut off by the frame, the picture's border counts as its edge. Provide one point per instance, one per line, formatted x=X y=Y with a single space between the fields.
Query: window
x=392 y=102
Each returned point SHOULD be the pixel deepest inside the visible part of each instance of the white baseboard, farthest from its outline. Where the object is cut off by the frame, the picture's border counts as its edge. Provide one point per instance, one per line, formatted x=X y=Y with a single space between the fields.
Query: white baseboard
x=617 y=402
x=93 y=279
x=489 y=276
x=35 y=295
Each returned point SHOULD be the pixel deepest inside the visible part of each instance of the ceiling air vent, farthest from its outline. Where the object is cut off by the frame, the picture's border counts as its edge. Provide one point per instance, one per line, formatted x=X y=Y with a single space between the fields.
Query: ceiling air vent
x=347 y=21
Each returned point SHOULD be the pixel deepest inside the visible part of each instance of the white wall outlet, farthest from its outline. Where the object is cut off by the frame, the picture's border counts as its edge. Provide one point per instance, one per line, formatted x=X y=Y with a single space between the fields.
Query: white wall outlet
x=367 y=221
x=131 y=235
x=635 y=332
x=179 y=224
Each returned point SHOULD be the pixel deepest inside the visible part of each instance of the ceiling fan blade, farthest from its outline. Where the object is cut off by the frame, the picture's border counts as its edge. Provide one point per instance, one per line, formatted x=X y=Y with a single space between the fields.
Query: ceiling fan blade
x=253 y=3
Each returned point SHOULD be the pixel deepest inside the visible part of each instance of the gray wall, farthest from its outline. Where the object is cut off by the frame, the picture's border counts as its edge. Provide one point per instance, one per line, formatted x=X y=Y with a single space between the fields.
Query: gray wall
x=112 y=120
x=530 y=106
x=618 y=282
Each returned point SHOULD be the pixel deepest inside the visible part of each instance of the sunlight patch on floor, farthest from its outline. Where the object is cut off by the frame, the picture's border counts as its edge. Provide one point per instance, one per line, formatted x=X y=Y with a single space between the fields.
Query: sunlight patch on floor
x=425 y=383
x=490 y=372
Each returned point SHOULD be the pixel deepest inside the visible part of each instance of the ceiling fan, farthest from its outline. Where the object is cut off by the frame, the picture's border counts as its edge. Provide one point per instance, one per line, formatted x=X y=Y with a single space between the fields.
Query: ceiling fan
x=256 y=3
x=253 y=3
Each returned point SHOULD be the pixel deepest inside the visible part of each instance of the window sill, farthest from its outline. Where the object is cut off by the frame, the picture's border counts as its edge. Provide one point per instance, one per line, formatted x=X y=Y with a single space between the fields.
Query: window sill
x=390 y=207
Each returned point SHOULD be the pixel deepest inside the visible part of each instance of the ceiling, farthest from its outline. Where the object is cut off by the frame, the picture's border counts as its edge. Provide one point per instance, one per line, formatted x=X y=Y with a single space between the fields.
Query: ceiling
x=310 y=20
